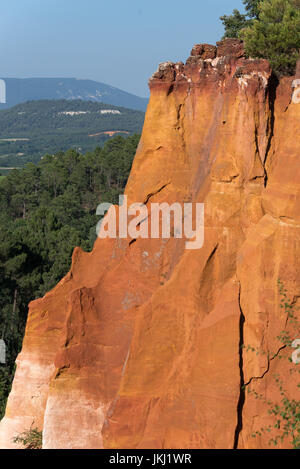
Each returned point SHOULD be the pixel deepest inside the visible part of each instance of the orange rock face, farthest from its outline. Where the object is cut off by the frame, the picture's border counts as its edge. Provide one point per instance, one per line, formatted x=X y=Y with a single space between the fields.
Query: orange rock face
x=144 y=344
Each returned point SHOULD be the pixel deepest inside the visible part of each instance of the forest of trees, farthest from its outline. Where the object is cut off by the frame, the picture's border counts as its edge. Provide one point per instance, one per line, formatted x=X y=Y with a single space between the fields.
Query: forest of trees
x=45 y=211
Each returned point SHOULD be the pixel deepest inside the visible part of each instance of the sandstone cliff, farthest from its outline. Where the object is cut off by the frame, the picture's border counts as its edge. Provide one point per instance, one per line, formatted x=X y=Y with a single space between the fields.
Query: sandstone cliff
x=140 y=345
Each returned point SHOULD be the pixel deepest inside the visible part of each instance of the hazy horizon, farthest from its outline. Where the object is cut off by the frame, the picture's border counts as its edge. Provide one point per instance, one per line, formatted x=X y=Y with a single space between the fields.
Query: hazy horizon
x=113 y=43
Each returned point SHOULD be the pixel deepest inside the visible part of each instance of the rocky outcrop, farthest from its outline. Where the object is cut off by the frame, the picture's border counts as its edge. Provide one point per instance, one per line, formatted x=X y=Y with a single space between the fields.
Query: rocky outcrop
x=144 y=344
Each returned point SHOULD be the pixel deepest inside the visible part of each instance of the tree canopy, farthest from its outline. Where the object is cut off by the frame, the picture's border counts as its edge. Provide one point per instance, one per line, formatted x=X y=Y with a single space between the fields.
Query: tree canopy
x=45 y=211
x=29 y=130
x=275 y=35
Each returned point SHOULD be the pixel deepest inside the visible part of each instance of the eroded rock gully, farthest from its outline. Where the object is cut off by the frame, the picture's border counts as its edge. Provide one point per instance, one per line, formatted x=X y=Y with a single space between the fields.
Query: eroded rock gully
x=142 y=345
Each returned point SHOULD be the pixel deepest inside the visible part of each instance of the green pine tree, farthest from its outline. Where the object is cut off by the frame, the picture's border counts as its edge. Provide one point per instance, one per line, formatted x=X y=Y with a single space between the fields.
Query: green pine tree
x=233 y=24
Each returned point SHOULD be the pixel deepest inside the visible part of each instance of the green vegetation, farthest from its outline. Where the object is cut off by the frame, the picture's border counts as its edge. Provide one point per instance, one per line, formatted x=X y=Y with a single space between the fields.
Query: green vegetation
x=46 y=127
x=286 y=412
x=234 y=23
x=45 y=211
x=22 y=90
x=31 y=439
x=270 y=30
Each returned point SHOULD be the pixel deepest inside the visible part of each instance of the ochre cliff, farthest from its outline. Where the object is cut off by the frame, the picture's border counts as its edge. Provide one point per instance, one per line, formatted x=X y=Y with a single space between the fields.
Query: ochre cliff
x=143 y=345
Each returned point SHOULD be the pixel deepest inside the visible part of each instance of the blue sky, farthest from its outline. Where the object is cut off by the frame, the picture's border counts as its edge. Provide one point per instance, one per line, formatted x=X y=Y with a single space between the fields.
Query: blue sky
x=118 y=42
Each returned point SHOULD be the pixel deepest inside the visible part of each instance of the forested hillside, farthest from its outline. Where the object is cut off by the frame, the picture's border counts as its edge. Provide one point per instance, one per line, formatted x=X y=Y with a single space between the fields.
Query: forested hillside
x=29 y=130
x=45 y=211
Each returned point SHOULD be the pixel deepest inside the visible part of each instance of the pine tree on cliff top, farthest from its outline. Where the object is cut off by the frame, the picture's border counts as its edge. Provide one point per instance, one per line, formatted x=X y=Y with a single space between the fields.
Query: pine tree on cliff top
x=234 y=23
x=270 y=30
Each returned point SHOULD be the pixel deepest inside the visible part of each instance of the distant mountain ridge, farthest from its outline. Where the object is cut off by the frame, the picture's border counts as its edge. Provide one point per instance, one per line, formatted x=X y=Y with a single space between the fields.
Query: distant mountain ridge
x=19 y=90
